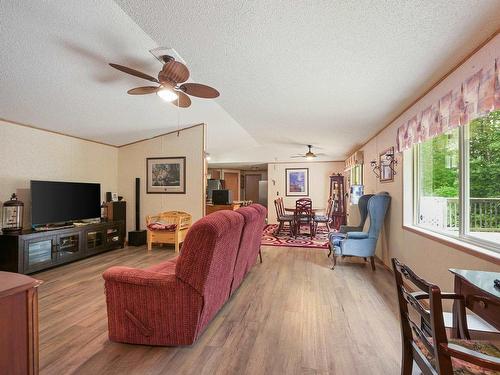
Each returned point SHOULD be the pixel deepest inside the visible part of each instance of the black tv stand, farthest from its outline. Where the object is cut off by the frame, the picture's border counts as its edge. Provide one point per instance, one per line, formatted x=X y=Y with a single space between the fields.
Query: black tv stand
x=43 y=228
x=32 y=251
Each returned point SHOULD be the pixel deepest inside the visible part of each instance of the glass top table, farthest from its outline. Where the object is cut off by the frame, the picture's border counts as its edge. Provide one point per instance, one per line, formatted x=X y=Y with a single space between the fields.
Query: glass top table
x=480 y=295
x=483 y=280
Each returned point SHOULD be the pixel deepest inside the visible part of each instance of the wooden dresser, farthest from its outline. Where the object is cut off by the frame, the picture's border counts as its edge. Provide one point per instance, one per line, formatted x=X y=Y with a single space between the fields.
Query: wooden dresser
x=18 y=324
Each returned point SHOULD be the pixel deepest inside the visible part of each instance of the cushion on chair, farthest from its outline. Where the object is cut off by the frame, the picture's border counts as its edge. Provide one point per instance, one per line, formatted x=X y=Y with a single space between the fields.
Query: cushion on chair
x=357 y=235
x=285 y=217
x=461 y=367
x=159 y=225
x=321 y=218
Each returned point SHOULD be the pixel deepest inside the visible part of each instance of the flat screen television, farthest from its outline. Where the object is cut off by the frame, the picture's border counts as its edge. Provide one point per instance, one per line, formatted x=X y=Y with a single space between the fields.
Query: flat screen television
x=61 y=202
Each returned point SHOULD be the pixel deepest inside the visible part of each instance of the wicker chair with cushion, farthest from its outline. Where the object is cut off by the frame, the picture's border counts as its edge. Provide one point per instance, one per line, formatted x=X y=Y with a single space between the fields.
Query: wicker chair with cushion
x=168 y=227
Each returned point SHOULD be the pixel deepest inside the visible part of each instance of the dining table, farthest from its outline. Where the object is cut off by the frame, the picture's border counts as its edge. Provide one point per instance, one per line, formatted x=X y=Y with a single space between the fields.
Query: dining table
x=481 y=296
x=314 y=211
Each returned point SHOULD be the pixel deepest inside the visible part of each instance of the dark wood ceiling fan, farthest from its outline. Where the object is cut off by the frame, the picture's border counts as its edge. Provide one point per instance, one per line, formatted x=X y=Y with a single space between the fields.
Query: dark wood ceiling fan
x=171 y=80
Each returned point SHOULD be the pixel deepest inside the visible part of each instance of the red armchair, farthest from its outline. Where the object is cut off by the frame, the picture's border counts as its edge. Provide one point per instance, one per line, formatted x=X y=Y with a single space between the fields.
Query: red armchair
x=173 y=302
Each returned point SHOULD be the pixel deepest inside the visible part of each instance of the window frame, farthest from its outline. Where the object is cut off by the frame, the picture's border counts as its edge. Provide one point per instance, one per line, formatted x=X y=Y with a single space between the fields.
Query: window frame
x=463 y=235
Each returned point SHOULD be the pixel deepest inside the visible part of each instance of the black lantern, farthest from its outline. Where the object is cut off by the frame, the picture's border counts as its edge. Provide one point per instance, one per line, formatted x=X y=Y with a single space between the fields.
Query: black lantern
x=13 y=210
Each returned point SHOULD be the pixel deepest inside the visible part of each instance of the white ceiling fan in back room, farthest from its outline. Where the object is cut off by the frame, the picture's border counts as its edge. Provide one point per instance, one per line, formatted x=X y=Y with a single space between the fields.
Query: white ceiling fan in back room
x=309 y=155
x=172 y=86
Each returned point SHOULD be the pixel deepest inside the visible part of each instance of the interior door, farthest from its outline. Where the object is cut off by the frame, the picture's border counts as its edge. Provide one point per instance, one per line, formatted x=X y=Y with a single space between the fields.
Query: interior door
x=252 y=187
x=232 y=183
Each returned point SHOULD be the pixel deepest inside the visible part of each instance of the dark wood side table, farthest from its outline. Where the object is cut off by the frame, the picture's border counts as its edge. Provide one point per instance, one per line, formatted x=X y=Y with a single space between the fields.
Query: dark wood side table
x=18 y=324
x=481 y=296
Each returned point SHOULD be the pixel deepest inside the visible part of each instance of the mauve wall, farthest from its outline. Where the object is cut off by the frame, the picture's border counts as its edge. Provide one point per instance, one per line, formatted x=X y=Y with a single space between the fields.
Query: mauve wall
x=30 y=154
x=319 y=183
x=428 y=257
x=132 y=163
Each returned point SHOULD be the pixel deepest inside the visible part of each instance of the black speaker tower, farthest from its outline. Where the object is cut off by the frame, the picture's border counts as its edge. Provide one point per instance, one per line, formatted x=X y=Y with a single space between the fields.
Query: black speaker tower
x=137 y=237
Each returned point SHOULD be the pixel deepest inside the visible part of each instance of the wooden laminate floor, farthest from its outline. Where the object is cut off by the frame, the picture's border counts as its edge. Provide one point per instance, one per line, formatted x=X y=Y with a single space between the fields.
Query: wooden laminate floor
x=292 y=315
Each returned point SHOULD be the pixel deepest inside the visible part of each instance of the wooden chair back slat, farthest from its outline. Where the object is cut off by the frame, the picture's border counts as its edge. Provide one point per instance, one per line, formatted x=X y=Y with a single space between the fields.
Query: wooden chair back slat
x=421 y=310
x=303 y=206
x=411 y=332
x=280 y=207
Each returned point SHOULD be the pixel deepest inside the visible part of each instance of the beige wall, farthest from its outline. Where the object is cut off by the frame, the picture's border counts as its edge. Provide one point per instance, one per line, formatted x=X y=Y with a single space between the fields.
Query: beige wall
x=429 y=258
x=30 y=154
x=319 y=183
x=132 y=163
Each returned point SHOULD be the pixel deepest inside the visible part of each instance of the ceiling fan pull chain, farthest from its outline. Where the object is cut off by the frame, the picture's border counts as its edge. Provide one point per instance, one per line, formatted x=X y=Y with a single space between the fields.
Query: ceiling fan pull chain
x=178 y=117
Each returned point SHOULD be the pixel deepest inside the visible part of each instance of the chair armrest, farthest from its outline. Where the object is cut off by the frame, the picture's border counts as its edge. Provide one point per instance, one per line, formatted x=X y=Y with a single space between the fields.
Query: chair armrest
x=423 y=295
x=452 y=296
x=471 y=356
x=357 y=235
x=290 y=209
x=350 y=228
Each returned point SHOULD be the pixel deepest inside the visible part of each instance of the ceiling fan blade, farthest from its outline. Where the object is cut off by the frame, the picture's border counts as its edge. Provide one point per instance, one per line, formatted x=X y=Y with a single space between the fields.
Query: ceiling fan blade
x=199 y=90
x=298 y=156
x=134 y=72
x=143 y=90
x=174 y=71
x=183 y=100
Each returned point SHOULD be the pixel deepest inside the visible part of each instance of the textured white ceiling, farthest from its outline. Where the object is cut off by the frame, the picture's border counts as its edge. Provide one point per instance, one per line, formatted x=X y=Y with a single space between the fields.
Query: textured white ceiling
x=329 y=73
x=54 y=74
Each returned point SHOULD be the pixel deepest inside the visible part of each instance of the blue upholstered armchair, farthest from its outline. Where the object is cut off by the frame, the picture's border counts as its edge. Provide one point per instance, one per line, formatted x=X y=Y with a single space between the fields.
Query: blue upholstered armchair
x=362 y=244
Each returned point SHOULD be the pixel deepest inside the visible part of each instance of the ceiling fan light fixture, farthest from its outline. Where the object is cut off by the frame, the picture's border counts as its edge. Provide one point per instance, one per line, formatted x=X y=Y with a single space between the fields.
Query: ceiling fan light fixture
x=167 y=94
x=309 y=157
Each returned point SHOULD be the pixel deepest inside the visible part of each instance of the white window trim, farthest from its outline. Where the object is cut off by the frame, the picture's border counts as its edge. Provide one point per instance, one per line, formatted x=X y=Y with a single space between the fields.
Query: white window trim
x=472 y=245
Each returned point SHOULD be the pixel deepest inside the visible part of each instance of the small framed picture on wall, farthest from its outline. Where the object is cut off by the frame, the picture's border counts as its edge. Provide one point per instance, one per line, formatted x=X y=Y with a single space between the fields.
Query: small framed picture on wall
x=166 y=175
x=297 y=182
x=386 y=172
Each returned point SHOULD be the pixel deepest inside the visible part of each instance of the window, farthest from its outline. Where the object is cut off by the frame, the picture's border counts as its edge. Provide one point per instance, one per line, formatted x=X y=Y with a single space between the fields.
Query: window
x=457 y=182
x=482 y=184
x=356 y=174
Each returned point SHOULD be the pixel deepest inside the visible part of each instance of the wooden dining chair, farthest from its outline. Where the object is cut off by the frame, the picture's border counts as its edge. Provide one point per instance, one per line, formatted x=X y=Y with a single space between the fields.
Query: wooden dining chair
x=303 y=214
x=426 y=343
x=326 y=218
x=282 y=216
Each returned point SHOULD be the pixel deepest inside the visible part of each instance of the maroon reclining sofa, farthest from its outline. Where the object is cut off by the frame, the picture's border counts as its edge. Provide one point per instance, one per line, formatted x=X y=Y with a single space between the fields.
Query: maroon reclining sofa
x=173 y=302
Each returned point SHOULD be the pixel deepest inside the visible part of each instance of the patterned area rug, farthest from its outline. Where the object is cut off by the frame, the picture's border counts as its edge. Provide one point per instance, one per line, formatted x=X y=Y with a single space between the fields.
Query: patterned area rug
x=320 y=241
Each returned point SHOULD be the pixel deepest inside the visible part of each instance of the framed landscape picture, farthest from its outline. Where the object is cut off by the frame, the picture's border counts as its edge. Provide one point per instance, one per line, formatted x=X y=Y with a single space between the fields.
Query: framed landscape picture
x=297 y=182
x=386 y=173
x=166 y=175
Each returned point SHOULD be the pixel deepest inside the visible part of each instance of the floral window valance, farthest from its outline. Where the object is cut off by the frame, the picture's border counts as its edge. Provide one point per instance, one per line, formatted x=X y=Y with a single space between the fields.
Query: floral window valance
x=476 y=97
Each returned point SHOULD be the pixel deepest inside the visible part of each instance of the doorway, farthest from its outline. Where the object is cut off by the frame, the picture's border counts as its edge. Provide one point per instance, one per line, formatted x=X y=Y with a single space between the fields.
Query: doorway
x=232 y=183
x=252 y=187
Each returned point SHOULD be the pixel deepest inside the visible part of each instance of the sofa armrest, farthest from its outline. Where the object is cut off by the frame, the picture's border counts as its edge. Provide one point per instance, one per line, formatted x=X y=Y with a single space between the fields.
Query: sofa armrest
x=151 y=308
x=138 y=276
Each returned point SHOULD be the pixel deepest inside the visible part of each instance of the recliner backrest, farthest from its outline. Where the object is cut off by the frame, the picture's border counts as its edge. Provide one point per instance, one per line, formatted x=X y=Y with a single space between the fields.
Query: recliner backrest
x=251 y=237
x=208 y=255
